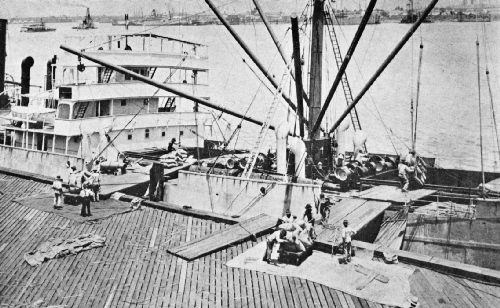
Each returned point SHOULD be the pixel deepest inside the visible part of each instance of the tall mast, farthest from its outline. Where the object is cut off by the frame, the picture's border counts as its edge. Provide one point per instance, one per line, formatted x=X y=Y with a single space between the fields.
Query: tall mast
x=480 y=114
x=318 y=18
x=298 y=72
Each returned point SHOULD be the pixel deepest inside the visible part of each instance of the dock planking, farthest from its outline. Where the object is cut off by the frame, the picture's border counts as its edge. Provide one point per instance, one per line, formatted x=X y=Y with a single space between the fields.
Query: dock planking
x=129 y=265
x=220 y=239
x=393 y=194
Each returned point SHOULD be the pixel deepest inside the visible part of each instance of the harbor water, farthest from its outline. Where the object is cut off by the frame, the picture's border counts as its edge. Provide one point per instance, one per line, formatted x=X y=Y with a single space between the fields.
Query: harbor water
x=448 y=116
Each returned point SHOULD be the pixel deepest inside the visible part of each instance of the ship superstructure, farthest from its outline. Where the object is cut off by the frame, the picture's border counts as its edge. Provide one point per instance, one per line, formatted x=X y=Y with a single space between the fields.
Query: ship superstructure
x=91 y=111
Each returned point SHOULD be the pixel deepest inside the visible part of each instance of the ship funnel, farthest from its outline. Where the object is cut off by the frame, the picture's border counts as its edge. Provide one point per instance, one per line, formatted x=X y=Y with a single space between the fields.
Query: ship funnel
x=26 y=65
x=298 y=148
x=3 y=35
x=281 y=142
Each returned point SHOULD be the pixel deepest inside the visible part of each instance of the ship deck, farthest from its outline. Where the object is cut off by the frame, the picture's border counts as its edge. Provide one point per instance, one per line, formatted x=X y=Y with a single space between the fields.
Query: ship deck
x=134 y=268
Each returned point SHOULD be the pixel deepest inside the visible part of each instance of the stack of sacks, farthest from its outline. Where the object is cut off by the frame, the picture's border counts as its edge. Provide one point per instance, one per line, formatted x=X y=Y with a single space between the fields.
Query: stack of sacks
x=174 y=159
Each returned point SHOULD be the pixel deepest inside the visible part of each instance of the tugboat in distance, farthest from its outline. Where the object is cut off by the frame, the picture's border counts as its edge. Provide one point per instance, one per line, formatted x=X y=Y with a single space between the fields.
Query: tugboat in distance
x=38 y=27
x=87 y=22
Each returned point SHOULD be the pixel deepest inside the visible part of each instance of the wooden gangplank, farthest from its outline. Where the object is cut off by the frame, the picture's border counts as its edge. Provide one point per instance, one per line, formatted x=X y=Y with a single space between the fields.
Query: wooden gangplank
x=393 y=194
x=231 y=235
x=358 y=212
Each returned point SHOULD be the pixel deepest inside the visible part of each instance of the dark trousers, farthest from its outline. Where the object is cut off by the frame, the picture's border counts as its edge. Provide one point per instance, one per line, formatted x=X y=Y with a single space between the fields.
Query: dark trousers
x=269 y=250
x=85 y=207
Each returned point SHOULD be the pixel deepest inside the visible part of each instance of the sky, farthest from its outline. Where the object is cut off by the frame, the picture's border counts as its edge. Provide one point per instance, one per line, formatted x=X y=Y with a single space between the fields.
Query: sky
x=39 y=8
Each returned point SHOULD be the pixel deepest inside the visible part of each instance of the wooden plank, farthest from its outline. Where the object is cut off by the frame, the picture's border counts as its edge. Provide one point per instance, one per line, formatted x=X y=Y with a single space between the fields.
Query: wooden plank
x=228 y=236
x=393 y=194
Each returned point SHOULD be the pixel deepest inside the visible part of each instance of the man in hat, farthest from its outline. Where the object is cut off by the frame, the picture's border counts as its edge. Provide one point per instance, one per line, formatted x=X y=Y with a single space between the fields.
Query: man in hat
x=287 y=218
x=85 y=196
x=58 y=192
x=347 y=233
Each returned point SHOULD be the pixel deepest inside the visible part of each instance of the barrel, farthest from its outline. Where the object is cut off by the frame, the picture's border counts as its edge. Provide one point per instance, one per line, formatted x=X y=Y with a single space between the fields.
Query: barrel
x=242 y=163
x=343 y=173
x=363 y=171
x=372 y=167
x=389 y=162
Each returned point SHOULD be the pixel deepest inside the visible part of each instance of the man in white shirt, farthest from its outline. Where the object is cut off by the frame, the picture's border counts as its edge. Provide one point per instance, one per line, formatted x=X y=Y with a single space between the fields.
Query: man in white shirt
x=404 y=175
x=287 y=218
x=347 y=234
x=85 y=196
x=276 y=237
x=58 y=192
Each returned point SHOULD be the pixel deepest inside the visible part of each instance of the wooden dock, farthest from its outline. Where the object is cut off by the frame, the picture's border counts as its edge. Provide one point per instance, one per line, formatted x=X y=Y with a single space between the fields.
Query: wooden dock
x=231 y=235
x=393 y=194
x=134 y=269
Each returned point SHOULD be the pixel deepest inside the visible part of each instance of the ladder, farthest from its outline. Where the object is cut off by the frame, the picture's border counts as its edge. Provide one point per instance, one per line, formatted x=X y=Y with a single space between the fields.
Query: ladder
x=151 y=72
x=344 y=81
x=81 y=110
x=263 y=131
x=106 y=75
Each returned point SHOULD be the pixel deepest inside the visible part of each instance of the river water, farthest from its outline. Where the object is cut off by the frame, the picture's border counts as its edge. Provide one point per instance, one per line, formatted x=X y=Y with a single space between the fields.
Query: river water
x=448 y=114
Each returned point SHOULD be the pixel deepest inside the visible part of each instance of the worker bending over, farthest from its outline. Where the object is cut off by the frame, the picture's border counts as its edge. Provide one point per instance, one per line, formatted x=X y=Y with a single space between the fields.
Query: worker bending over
x=275 y=238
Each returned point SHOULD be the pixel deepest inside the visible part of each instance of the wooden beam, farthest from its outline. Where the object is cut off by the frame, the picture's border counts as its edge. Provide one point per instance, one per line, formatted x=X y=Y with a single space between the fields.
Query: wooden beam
x=450 y=242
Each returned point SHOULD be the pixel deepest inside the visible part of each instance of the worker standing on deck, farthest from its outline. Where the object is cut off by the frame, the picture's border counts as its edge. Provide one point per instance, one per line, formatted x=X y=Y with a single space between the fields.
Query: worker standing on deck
x=404 y=175
x=308 y=215
x=85 y=196
x=73 y=176
x=347 y=234
x=58 y=192
x=277 y=237
x=324 y=207
x=96 y=185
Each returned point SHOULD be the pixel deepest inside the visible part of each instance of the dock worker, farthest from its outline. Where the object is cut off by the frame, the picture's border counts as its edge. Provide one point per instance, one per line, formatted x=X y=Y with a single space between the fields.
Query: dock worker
x=58 y=192
x=85 y=196
x=347 y=233
x=287 y=218
x=73 y=176
x=308 y=215
x=324 y=207
x=96 y=184
x=171 y=145
x=68 y=172
x=404 y=175
x=275 y=238
x=411 y=159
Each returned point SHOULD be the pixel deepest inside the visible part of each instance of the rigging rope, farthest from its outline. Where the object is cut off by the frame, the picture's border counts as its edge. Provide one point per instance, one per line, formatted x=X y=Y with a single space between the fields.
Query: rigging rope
x=492 y=107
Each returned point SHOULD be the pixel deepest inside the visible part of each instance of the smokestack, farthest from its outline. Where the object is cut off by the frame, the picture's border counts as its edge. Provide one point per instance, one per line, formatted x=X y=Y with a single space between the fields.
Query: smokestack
x=51 y=72
x=3 y=35
x=25 y=79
